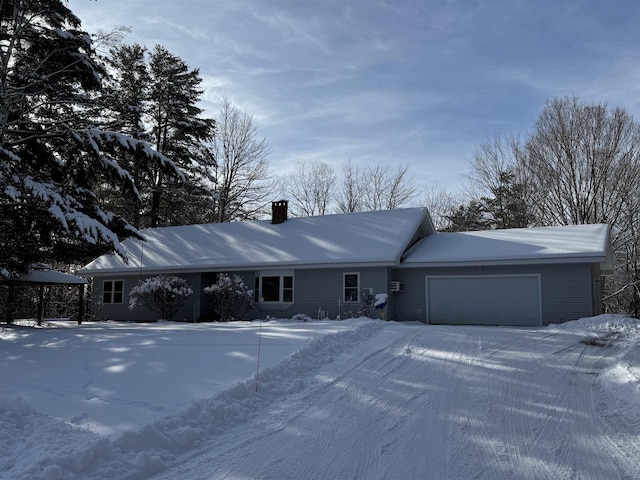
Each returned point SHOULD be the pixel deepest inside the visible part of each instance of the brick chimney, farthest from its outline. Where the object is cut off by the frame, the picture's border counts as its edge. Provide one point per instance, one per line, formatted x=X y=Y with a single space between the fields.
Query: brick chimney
x=279 y=211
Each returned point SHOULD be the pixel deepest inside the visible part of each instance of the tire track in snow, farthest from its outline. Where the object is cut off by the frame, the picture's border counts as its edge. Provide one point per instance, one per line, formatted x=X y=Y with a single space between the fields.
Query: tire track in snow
x=594 y=436
x=555 y=426
x=612 y=421
x=482 y=440
x=561 y=411
x=281 y=429
x=450 y=451
x=368 y=415
x=624 y=448
x=507 y=441
x=587 y=449
x=406 y=395
x=358 y=414
x=517 y=448
x=584 y=435
x=528 y=444
x=518 y=430
x=438 y=418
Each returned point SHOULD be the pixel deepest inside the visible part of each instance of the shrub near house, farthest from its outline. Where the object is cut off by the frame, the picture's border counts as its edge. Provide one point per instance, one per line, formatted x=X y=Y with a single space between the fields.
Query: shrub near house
x=231 y=297
x=163 y=294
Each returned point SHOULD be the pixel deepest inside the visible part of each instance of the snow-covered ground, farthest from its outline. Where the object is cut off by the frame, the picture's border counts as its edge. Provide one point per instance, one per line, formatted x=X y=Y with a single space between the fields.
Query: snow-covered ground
x=358 y=398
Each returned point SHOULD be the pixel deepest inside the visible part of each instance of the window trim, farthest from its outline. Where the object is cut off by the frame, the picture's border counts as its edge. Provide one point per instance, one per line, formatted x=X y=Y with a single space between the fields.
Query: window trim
x=344 y=287
x=113 y=292
x=281 y=288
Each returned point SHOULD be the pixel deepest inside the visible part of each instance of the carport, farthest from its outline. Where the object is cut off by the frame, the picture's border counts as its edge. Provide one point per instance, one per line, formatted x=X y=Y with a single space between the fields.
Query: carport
x=40 y=278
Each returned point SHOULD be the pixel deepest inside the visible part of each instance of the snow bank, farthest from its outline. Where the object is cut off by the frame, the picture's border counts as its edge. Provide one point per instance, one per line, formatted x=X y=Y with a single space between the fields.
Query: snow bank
x=608 y=322
x=619 y=381
x=26 y=434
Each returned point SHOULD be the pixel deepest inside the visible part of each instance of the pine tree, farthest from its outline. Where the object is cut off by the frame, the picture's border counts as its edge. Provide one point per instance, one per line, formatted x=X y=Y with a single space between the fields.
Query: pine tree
x=468 y=218
x=154 y=96
x=51 y=153
x=124 y=101
x=508 y=207
x=179 y=132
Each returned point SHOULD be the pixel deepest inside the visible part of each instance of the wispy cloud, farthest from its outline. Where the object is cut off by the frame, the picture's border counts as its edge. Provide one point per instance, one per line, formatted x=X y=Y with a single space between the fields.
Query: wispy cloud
x=419 y=81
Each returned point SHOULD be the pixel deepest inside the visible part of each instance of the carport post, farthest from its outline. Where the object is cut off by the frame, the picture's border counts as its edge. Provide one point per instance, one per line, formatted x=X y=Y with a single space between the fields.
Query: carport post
x=10 y=305
x=80 y=303
x=40 y=302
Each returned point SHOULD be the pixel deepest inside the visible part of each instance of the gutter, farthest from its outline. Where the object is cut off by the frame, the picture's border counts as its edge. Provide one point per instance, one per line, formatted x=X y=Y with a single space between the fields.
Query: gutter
x=109 y=272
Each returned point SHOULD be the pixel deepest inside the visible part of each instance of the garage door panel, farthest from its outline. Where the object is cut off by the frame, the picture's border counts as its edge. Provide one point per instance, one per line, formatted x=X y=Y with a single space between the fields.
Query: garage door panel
x=484 y=300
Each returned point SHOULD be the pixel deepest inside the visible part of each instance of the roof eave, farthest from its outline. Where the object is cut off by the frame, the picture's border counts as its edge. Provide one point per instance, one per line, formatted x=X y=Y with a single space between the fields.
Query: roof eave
x=424 y=224
x=235 y=268
x=601 y=260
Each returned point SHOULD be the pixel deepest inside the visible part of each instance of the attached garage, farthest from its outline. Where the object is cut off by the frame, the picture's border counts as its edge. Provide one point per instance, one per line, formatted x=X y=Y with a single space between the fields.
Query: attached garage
x=523 y=276
x=484 y=300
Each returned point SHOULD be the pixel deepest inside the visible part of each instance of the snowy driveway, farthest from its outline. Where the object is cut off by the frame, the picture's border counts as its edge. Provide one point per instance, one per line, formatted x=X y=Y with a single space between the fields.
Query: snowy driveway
x=413 y=402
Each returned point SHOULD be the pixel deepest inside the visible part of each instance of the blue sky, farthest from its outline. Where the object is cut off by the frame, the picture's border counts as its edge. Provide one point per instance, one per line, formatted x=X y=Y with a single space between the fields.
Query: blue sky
x=417 y=82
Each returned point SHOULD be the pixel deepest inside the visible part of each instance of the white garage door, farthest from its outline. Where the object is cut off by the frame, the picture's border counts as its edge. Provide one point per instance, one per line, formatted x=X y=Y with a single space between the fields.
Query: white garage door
x=484 y=300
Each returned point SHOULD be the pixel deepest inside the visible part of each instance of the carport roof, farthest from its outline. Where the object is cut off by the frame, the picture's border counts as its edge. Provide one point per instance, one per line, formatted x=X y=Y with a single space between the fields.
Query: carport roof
x=561 y=244
x=47 y=276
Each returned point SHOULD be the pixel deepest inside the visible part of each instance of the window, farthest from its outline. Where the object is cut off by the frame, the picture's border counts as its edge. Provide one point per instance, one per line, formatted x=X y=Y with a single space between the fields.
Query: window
x=271 y=289
x=287 y=289
x=274 y=287
x=351 y=287
x=112 y=291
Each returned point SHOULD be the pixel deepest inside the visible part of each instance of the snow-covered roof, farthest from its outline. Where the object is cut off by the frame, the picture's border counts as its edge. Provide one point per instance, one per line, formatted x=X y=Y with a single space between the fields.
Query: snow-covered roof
x=364 y=238
x=49 y=277
x=561 y=244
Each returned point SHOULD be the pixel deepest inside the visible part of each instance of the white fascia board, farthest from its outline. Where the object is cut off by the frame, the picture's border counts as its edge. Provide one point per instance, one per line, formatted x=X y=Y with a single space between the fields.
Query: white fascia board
x=515 y=262
x=218 y=268
x=425 y=224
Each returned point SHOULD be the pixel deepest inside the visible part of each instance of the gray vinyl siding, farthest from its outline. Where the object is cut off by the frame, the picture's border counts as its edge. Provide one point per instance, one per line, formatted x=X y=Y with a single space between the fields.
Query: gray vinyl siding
x=322 y=289
x=410 y=304
x=566 y=290
x=596 y=282
x=121 y=312
x=314 y=289
x=567 y=294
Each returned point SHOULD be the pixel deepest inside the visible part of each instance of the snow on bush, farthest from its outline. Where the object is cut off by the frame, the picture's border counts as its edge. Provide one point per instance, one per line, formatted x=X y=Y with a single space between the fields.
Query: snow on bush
x=231 y=297
x=163 y=294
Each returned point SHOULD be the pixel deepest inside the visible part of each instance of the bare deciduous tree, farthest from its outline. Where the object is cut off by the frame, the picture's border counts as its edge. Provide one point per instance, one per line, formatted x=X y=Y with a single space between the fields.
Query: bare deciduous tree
x=311 y=188
x=440 y=204
x=386 y=189
x=376 y=187
x=582 y=162
x=349 y=199
x=243 y=181
x=489 y=161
